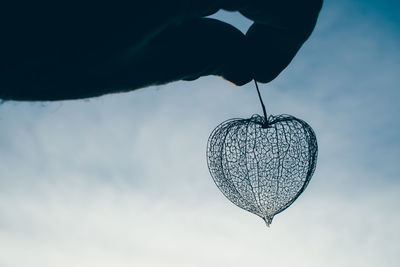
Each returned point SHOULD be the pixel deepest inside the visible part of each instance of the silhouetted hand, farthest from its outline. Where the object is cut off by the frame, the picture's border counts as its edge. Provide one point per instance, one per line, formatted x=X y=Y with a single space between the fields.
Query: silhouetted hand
x=54 y=51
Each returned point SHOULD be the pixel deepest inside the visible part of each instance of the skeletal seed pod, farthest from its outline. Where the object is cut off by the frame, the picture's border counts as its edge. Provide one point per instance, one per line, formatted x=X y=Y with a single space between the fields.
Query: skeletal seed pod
x=262 y=165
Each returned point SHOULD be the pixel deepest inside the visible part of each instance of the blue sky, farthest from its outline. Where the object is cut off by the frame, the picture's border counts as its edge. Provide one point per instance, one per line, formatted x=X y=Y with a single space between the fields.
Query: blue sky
x=122 y=180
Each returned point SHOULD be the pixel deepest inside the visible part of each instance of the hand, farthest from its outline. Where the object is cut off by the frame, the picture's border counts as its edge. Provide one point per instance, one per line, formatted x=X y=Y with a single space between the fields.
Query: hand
x=53 y=51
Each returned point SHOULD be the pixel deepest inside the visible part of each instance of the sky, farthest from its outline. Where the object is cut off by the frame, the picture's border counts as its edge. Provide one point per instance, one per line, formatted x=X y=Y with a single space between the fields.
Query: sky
x=122 y=180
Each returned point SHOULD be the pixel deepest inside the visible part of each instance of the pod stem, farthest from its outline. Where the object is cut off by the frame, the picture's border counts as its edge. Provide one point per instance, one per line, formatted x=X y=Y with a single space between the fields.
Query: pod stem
x=262 y=103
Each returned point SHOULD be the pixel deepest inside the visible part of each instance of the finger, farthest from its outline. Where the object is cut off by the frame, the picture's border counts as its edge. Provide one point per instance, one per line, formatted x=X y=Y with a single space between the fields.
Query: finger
x=280 y=29
x=271 y=50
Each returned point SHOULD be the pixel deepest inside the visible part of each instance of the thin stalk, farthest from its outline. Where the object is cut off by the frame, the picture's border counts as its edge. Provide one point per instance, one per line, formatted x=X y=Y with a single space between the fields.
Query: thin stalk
x=262 y=103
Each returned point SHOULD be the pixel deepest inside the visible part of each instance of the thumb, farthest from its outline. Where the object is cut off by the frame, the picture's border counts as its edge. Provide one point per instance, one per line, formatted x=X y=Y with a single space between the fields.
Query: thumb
x=187 y=51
